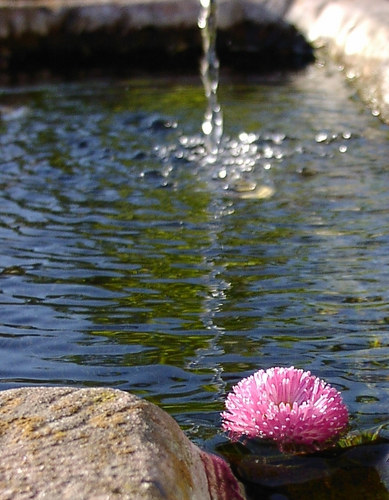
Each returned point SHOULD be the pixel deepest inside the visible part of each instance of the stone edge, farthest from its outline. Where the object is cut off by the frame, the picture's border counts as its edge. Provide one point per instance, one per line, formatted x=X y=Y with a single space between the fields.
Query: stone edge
x=355 y=33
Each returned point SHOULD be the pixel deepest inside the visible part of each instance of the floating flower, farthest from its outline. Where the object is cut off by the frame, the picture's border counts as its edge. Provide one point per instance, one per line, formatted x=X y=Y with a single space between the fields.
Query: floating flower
x=286 y=405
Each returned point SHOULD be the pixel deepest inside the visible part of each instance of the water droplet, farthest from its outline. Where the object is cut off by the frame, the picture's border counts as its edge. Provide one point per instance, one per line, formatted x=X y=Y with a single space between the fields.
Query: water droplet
x=207 y=127
x=268 y=152
x=244 y=137
x=321 y=137
x=201 y=23
x=278 y=138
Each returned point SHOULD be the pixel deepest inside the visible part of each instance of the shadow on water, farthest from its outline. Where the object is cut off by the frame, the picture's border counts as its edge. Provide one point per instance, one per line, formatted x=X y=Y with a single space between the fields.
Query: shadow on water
x=359 y=471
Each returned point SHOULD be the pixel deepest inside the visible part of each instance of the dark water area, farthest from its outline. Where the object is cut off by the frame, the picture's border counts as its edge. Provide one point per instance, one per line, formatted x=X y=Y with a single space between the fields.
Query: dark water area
x=130 y=259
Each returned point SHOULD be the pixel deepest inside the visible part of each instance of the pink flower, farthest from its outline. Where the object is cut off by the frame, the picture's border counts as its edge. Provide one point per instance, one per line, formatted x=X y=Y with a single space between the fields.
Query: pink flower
x=286 y=405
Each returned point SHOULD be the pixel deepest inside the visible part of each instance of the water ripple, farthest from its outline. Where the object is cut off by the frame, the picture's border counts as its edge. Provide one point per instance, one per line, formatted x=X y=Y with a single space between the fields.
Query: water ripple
x=131 y=257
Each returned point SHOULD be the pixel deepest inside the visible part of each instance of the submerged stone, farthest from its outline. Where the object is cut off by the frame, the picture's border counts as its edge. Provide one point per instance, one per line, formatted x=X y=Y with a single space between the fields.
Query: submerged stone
x=357 y=472
x=101 y=443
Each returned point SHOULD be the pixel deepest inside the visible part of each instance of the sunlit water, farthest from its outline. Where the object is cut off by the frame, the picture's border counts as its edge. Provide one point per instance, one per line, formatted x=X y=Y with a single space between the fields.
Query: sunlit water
x=128 y=261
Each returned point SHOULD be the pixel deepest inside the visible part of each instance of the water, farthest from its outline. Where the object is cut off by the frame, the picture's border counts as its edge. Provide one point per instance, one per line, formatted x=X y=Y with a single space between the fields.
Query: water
x=212 y=126
x=127 y=261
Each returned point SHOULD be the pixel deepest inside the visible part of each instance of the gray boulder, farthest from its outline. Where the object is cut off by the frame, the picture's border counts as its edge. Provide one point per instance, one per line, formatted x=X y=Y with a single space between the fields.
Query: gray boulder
x=101 y=444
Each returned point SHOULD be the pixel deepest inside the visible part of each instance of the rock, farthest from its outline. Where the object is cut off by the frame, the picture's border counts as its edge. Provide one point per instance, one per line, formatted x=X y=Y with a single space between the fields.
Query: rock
x=101 y=444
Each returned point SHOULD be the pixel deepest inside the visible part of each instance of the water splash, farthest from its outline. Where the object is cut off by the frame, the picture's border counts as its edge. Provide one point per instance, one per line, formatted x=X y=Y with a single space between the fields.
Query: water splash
x=227 y=160
x=212 y=126
x=240 y=168
x=238 y=164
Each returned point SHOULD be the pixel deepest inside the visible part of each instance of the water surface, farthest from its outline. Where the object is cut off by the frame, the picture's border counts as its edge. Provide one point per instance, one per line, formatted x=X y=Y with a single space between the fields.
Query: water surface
x=129 y=260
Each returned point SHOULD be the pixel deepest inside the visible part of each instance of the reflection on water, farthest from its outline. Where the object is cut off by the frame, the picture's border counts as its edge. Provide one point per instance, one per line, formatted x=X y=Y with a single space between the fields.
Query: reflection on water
x=126 y=262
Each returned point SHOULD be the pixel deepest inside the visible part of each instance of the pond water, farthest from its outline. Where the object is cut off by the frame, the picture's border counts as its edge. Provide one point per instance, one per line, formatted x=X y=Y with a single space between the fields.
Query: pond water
x=130 y=259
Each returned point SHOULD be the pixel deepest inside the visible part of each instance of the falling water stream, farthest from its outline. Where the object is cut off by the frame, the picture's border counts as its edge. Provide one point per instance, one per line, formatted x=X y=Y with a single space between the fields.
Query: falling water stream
x=213 y=120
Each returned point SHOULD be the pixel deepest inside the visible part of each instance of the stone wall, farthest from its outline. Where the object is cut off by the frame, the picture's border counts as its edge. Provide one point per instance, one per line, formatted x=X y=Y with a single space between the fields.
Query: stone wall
x=162 y=34
x=137 y=33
